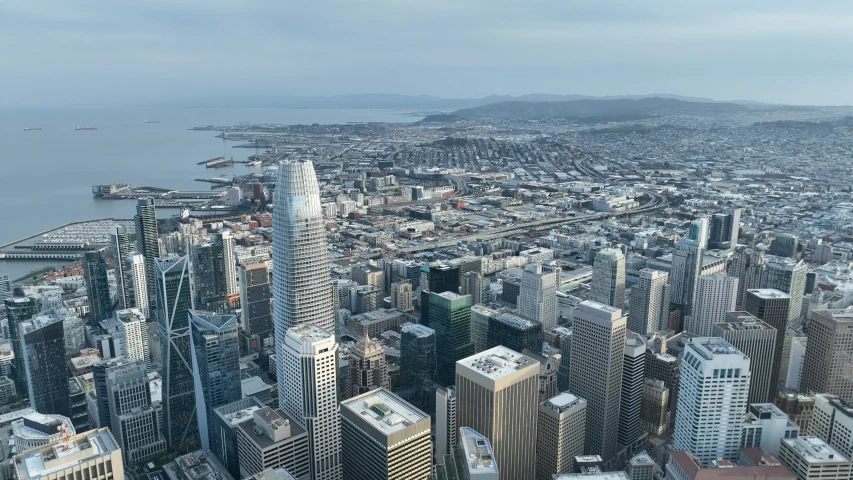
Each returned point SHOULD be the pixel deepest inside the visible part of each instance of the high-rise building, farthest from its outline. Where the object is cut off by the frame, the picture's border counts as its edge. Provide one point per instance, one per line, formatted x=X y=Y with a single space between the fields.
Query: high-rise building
x=208 y=268
x=481 y=315
x=301 y=288
x=271 y=439
x=385 y=437
x=226 y=241
x=401 y=296
x=563 y=340
x=766 y=426
x=147 y=245
x=445 y=422
x=686 y=268
x=811 y=458
x=497 y=395
x=832 y=420
x=216 y=365
x=174 y=301
x=439 y=277
x=771 y=306
x=97 y=287
x=698 y=232
x=88 y=453
x=134 y=330
x=715 y=296
x=367 y=369
x=829 y=354
x=711 y=368
x=473 y=459
x=450 y=317
x=223 y=433
x=418 y=368
x=43 y=348
x=724 y=231
x=795 y=362
x=608 y=278
x=560 y=434
x=19 y=310
x=598 y=344
x=514 y=332
x=537 y=299
x=789 y=276
x=784 y=245
x=121 y=246
x=631 y=403
x=757 y=340
x=748 y=267
x=135 y=284
x=255 y=301
x=308 y=392
x=123 y=393
x=649 y=302
x=654 y=416
x=473 y=284
x=5 y=288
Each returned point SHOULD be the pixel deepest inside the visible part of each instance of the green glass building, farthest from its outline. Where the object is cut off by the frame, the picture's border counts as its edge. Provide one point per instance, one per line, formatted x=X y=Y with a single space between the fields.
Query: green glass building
x=450 y=317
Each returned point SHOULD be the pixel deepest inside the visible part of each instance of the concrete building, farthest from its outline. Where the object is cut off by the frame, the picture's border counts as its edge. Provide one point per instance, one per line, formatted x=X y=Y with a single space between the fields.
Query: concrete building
x=84 y=453
x=748 y=267
x=497 y=393
x=766 y=426
x=608 y=278
x=829 y=354
x=715 y=296
x=445 y=422
x=367 y=369
x=223 y=433
x=649 y=302
x=135 y=284
x=197 y=465
x=560 y=434
x=385 y=437
x=641 y=467
x=537 y=299
x=473 y=459
x=757 y=340
x=771 y=306
x=271 y=439
x=598 y=346
x=811 y=458
x=711 y=368
x=756 y=463
x=35 y=430
x=654 y=416
x=121 y=249
x=401 y=296
x=134 y=331
x=832 y=420
x=631 y=402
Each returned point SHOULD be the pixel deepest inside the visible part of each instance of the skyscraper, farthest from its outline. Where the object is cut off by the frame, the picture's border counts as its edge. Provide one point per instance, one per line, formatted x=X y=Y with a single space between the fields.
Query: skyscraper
x=649 y=302
x=43 y=348
x=698 y=232
x=418 y=365
x=97 y=287
x=301 y=288
x=5 y=288
x=445 y=422
x=631 y=403
x=789 y=276
x=135 y=284
x=225 y=241
x=367 y=369
x=135 y=333
x=174 y=301
x=829 y=350
x=686 y=268
x=208 y=266
x=216 y=365
x=120 y=244
x=711 y=368
x=19 y=310
x=560 y=431
x=608 y=278
x=771 y=306
x=401 y=296
x=537 y=299
x=598 y=345
x=450 y=317
x=497 y=395
x=255 y=301
x=715 y=296
x=724 y=231
x=756 y=340
x=148 y=245
x=514 y=332
x=307 y=392
x=784 y=245
x=748 y=266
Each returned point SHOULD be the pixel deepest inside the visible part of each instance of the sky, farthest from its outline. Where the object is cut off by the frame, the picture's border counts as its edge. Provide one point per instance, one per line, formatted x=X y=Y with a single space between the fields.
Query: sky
x=100 y=53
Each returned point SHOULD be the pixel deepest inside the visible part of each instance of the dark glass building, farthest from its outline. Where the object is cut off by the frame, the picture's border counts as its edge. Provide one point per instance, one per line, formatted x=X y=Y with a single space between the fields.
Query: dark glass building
x=418 y=366
x=43 y=346
x=255 y=301
x=514 y=332
x=450 y=317
x=147 y=244
x=208 y=264
x=19 y=310
x=97 y=287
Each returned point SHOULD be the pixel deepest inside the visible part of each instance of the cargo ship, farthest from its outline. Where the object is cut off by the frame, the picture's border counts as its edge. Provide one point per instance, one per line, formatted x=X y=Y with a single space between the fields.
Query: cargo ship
x=86 y=128
x=152 y=121
x=27 y=129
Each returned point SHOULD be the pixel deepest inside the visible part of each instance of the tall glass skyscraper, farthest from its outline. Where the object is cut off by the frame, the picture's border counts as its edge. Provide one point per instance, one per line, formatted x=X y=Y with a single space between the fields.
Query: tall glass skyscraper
x=147 y=244
x=301 y=288
x=19 y=310
x=173 y=304
x=208 y=263
x=120 y=243
x=97 y=287
x=43 y=346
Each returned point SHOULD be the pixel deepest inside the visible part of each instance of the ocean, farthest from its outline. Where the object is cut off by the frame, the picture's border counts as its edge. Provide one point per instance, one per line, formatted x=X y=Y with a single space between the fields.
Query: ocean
x=46 y=176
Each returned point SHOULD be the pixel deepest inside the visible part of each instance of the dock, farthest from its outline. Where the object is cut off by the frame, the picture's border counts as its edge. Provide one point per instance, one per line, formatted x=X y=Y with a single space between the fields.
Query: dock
x=218 y=162
x=216 y=180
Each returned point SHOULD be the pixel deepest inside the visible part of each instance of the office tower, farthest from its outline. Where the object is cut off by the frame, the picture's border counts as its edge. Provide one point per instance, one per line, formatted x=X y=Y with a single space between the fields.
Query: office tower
x=121 y=246
x=369 y=275
x=598 y=343
x=255 y=301
x=829 y=351
x=649 y=302
x=401 y=296
x=795 y=362
x=811 y=458
x=223 y=433
x=97 y=287
x=307 y=391
x=110 y=339
x=788 y=276
x=698 y=232
x=5 y=288
x=271 y=439
x=472 y=284
x=384 y=437
x=418 y=367
x=174 y=301
x=784 y=245
x=563 y=341
x=715 y=296
x=748 y=266
x=548 y=366
x=764 y=425
x=94 y=453
x=631 y=403
x=301 y=281
x=43 y=349
x=724 y=230
x=450 y=317
x=135 y=333
x=608 y=278
x=480 y=317
x=771 y=306
x=367 y=369
x=799 y=408
x=216 y=365
x=832 y=420
x=77 y=404
x=225 y=241
x=439 y=278
x=654 y=415
x=122 y=387
x=147 y=245
x=208 y=277
x=445 y=422
x=560 y=434
x=514 y=332
x=757 y=340
x=537 y=299
x=686 y=268
x=135 y=284
x=474 y=459
x=711 y=368
x=497 y=395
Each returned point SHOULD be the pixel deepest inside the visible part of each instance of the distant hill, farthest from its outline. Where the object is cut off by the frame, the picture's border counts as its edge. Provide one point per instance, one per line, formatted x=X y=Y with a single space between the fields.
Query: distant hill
x=589 y=108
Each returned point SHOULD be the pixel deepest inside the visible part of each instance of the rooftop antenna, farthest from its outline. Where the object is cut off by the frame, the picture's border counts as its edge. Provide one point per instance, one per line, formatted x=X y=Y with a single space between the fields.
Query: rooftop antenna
x=63 y=432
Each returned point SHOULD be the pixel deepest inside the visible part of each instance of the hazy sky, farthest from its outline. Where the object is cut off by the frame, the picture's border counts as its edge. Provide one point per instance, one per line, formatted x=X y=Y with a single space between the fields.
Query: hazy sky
x=109 y=52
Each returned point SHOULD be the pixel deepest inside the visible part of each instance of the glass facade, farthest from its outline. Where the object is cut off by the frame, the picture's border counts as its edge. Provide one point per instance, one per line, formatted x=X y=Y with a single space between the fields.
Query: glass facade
x=450 y=317
x=97 y=287
x=43 y=344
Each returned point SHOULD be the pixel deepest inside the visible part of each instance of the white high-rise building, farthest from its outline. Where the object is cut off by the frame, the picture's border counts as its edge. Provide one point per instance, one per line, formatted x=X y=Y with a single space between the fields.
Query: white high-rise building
x=537 y=299
x=308 y=392
x=649 y=302
x=608 y=278
x=715 y=296
x=5 y=287
x=135 y=332
x=445 y=422
x=136 y=283
x=301 y=288
x=232 y=287
x=699 y=232
x=121 y=246
x=712 y=399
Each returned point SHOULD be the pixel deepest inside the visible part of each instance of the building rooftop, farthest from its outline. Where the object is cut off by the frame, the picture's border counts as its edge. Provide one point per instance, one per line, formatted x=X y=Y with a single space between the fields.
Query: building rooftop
x=476 y=451
x=277 y=474
x=516 y=321
x=417 y=330
x=384 y=411
x=240 y=416
x=765 y=466
x=708 y=347
x=309 y=332
x=815 y=450
x=839 y=315
x=449 y=295
x=44 y=461
x=198 y=465
x=593 y=475
x=497 y=362
x=36 y=425
x=269 y=427
x=641 y=458
x=738 y=321
x=253 y=385
x=768 y=293
x=563 y=401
